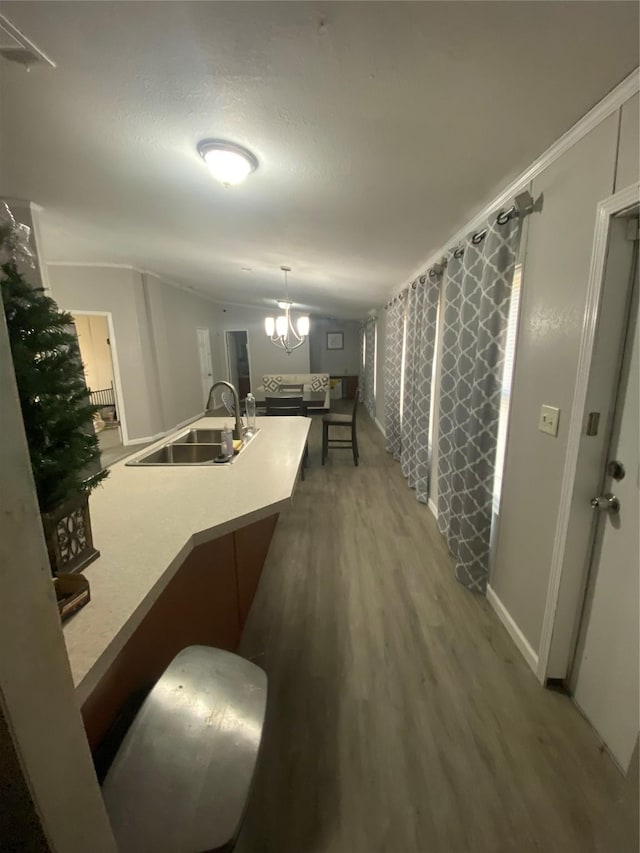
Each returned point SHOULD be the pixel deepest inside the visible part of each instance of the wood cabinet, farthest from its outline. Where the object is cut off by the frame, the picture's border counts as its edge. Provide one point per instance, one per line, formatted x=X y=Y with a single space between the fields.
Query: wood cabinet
x=349 y=386
x=251 y=548
x=207 y=602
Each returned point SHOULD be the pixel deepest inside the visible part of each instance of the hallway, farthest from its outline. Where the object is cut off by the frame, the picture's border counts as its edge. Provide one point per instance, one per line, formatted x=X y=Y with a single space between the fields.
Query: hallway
x=401 y=718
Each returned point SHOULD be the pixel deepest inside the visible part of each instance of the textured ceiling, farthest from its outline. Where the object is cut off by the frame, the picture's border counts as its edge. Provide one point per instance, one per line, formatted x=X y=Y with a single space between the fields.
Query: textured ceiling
x=380 y=127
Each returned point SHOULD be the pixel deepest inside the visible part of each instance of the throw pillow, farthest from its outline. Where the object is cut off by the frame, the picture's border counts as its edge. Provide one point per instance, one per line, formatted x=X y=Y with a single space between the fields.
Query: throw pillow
x=319 y=383
x=271 y=383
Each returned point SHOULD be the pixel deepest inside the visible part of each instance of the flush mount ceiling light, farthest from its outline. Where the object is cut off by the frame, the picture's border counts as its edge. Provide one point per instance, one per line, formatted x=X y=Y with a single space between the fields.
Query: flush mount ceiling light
x=227 y=162
x=281 y=331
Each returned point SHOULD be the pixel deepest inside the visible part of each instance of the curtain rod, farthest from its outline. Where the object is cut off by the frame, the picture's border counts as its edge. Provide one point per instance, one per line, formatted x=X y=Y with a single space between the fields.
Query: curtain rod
x=523 y=204
x=433 y=272
x=521 y=207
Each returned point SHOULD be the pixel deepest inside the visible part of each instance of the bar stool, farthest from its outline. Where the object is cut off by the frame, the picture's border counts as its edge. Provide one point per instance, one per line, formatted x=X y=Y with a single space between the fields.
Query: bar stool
x=337 y=420
x=181 y=779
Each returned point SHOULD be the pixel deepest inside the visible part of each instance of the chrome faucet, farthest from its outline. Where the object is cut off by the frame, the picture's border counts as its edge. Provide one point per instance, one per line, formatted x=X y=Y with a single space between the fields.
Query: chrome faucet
x=237 y=433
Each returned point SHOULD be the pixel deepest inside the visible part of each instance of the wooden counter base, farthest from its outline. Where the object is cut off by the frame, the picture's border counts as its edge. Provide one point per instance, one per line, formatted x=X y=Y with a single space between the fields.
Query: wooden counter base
x=206 y=602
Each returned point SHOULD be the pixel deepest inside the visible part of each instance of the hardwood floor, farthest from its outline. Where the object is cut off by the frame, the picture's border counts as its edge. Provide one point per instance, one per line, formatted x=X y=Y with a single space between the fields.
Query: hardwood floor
x=400 y=716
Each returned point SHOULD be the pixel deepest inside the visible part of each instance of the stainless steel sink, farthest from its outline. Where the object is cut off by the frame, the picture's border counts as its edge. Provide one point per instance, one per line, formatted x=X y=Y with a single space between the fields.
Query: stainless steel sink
x=181 y=454
x=193 y=447
x=199 y=436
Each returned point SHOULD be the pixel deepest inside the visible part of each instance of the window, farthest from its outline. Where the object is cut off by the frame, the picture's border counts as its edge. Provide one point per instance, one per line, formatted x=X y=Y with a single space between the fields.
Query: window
x=507 y=381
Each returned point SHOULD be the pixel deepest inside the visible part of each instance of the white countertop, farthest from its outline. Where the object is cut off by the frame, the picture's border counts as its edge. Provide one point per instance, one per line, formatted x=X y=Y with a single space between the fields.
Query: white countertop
x=145 y=521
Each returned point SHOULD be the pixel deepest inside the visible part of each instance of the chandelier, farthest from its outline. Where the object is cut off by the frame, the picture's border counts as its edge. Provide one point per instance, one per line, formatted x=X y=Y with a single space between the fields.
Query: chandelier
x=281 y=331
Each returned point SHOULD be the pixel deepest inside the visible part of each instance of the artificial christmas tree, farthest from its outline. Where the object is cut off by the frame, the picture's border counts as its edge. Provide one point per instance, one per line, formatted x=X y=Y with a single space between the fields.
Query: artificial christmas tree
x=57 y=417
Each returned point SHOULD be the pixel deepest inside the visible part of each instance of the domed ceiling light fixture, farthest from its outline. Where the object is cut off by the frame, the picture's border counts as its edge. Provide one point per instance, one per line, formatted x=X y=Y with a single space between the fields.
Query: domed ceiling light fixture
x=281 y=331
x=228 y=163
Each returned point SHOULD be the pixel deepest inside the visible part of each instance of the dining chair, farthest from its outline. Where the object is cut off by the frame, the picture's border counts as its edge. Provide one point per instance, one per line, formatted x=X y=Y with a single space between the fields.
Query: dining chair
x=284 y=406
x=297 y=388
x=334 y=419
x=287 y=407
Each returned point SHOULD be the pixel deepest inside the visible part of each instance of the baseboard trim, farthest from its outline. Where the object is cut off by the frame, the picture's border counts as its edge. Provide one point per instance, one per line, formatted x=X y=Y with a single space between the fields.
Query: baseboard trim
x=380 y=427
x=523 y=645
x=433 y=508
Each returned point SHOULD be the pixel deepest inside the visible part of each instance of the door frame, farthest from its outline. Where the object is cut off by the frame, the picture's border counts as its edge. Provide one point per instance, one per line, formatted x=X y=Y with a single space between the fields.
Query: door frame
x=226 y=352
x=115 y=365
x=556 y=641
x=208 y=331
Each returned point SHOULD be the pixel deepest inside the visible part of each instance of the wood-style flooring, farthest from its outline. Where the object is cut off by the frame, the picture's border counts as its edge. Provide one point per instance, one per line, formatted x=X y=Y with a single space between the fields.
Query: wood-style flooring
x=401 y=718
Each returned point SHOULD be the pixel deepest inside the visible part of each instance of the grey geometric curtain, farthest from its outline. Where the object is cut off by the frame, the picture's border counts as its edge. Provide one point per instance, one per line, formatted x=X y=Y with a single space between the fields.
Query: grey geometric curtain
x=392 y=374
x=367 y=390
x=476 y=311
x=422 y=319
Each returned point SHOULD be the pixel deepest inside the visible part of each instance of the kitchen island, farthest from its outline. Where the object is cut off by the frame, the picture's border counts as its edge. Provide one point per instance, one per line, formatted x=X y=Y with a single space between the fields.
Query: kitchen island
x=181 y=549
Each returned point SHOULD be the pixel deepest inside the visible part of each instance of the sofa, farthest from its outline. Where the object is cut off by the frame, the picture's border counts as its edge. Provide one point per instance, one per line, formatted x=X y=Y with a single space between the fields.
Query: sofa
x=310 y=381
x=271 y=383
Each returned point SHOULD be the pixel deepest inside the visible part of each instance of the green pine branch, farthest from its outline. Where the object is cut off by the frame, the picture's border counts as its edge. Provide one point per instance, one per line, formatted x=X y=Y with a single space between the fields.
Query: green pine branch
x=53 y=395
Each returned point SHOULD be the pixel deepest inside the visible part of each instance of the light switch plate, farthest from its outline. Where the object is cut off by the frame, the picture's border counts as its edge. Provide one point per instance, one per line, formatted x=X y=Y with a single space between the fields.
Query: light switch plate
x=549 y=419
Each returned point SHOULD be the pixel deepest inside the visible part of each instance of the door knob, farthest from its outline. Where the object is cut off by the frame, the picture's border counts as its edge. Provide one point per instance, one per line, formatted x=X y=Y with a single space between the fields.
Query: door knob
x=608 y=502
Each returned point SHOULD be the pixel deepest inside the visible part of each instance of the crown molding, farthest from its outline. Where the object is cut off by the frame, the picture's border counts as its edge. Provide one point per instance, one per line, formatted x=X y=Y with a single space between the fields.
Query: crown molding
x=92 y=265
x=106 y=265
x=186 y=288
x=217 y=301
x=602 y=110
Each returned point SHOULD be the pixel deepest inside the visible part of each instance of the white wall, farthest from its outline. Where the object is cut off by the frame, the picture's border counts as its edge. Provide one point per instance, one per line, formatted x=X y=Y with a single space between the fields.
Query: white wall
x=556 y=272
x=344 y=362
x=628 y=170
x=40 y=724
x=147 y=333
x=155 y=341
x=118 y=291
x=264 y=357
x=174 y=317
x=26 y=213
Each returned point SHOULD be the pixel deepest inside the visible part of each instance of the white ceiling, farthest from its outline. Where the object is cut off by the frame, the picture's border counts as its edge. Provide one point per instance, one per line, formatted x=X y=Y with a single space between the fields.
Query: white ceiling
x=380 y=128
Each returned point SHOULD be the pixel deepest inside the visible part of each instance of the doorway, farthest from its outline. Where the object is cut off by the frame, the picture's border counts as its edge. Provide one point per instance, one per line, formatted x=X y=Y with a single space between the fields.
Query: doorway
x=604 y=677
x=238 y=361
x=95 y=340
x=206 y=364
x=589 y=639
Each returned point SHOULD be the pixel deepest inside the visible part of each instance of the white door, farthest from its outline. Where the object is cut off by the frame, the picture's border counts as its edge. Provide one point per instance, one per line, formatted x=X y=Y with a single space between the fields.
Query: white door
x=605 y=674
x=232 y=358
x=206 y=365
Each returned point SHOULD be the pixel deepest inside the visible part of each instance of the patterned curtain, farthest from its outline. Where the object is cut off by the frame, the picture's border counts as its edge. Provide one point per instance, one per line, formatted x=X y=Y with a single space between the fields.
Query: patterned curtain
x=476 y=311
x=422 y=320
x=392 y=374
x=367 y=391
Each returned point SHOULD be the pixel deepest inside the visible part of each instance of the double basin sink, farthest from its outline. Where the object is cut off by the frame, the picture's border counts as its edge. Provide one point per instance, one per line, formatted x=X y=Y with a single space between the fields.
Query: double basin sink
x=193 y=447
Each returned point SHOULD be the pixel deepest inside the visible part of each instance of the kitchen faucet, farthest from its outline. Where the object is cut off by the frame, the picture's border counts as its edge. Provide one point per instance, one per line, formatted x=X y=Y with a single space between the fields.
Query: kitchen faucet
x=237 y=433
